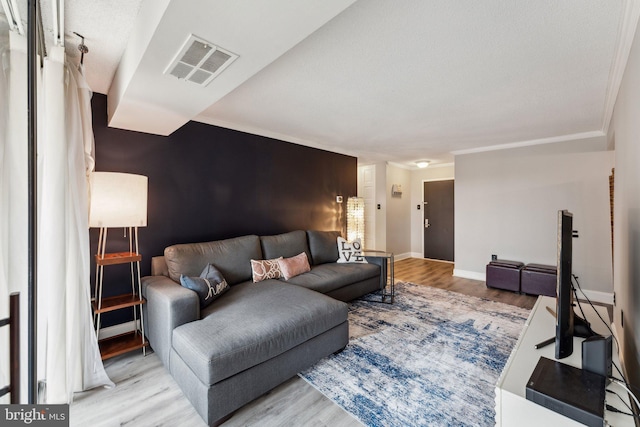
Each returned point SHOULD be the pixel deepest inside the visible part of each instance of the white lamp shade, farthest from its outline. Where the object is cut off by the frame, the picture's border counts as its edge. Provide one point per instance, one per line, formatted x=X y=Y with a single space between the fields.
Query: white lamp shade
x=118 y=200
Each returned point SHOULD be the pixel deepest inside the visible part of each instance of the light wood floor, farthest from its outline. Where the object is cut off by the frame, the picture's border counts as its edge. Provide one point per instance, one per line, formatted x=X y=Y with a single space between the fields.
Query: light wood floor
x=146 y=395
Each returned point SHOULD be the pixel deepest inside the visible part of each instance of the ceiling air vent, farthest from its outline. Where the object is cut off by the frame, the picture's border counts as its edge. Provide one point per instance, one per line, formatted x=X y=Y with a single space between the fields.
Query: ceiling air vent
x=199 y=61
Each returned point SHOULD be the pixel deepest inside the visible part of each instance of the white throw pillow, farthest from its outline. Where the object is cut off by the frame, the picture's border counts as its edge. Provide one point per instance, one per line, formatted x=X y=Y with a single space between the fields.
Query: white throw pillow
x=350 y=251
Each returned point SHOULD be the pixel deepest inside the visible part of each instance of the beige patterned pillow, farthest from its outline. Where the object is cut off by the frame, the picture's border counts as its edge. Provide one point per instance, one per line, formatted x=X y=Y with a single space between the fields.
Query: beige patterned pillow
x=265 y=269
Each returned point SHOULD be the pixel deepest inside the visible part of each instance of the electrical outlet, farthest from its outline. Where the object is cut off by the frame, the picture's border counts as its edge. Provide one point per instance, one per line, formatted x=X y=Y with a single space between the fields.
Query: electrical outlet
x=494 y=257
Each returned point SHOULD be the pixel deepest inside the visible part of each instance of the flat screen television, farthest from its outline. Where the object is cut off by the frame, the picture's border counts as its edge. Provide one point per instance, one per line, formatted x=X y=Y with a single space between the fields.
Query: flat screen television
x=564 y=294
x=568 y=324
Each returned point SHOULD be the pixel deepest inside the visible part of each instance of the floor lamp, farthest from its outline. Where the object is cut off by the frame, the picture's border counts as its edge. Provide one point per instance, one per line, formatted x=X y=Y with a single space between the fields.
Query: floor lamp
x=355 y=219
x=117 y=200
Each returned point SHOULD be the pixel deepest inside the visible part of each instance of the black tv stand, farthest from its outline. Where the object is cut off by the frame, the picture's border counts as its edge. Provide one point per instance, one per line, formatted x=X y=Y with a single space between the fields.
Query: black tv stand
x=581 y=329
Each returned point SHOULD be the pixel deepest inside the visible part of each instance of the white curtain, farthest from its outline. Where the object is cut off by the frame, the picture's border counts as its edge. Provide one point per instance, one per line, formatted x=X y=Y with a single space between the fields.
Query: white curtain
x=4 y=238
x=70 y=353
x=13 y=252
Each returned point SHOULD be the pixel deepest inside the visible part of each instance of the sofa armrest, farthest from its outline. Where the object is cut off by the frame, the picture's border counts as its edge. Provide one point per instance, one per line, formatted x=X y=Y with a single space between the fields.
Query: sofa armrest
x=168 y=306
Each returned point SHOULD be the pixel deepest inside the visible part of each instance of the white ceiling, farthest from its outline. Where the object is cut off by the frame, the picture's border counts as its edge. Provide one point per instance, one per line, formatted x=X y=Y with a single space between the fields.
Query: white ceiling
x=378 y=79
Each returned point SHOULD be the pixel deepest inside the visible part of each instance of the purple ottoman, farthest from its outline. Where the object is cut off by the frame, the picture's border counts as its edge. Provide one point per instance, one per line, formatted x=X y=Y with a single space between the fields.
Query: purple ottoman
x=503 y=274
x=538 y=279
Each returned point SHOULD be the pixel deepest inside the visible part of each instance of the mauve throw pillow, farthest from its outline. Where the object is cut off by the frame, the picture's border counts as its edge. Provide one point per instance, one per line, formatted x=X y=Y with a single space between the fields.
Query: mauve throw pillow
x=265 y=269
x=209 y=286
x=350 y=251
x=294 y=266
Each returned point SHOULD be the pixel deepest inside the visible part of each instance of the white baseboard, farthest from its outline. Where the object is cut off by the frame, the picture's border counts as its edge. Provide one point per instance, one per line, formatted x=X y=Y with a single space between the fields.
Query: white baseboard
x=416 y=255
x=465 y=274
x=597 y=296
x=403 y=256
x=122 y=328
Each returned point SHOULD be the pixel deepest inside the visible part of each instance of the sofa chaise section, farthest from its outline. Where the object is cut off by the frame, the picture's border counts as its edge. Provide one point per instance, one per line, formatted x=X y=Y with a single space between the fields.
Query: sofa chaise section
x=237 y=352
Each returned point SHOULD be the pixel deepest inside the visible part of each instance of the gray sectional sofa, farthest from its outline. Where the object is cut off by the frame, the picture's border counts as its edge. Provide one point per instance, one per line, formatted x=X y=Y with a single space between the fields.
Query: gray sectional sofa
x=256 y=335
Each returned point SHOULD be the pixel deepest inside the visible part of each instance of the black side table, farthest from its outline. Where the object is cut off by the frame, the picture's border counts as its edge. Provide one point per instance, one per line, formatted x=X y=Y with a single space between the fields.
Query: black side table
x=385 y=261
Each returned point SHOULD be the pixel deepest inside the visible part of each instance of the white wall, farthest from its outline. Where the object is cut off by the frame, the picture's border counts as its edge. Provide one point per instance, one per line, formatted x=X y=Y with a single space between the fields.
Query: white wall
x=398 y=212
x=392 y=229
x=506 y=203
x=625 y=133
x=418 y=177
x=381 y=199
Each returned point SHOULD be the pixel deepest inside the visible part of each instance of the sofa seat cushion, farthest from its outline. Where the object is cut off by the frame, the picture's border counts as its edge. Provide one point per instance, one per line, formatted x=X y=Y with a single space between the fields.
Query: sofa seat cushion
x=328 y=277
x=252 y=323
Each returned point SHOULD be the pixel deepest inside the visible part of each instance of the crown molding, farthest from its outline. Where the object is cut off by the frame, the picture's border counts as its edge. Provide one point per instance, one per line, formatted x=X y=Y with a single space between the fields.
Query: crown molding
x=551 y=140
x=626 y=34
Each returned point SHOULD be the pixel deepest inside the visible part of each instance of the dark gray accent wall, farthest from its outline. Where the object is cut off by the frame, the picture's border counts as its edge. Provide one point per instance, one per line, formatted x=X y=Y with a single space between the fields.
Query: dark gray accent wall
x=208 y=183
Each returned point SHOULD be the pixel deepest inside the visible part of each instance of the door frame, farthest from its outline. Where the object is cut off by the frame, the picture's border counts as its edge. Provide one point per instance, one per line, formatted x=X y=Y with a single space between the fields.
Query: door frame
x=422 y=212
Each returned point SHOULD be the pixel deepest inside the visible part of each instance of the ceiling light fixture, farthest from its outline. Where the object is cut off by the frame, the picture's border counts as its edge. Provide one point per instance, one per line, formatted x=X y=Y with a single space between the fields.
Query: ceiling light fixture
x=422 y=163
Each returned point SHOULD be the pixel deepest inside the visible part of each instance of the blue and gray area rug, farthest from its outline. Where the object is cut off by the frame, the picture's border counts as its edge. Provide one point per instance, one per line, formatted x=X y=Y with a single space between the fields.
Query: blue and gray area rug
x=430 y=359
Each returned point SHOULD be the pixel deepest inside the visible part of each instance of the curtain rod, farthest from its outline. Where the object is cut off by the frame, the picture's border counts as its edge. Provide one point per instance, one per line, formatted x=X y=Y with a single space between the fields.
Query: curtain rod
x=57 y=13
x=13 y=15
x=40 y=43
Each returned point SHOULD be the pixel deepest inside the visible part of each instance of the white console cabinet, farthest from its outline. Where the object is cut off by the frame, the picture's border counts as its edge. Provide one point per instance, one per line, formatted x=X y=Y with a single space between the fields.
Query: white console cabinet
x=512 y=407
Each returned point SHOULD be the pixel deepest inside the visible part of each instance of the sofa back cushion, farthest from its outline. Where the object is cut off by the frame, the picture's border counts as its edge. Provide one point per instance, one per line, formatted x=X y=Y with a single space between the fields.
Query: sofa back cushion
x=323 y=246
x=285 y=245
x=232 y=257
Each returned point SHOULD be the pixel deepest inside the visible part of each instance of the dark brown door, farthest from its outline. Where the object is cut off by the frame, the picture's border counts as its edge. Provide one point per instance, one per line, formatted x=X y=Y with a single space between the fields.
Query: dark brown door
x=438 y=220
